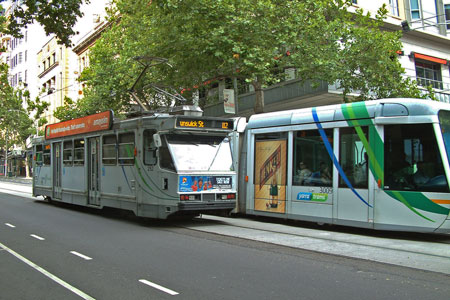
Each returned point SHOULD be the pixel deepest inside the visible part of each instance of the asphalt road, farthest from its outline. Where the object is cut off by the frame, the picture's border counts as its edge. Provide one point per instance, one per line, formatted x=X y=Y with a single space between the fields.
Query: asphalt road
x=64 y=252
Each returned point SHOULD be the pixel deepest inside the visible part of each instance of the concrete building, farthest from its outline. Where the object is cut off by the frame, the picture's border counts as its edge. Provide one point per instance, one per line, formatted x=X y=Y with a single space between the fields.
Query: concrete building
x=54 y=65
x=21 y=54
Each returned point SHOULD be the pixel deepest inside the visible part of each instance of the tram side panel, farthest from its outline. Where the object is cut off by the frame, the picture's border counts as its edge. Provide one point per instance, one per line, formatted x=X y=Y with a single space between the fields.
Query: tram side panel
x=74 y=184
x=415 y=188
x=117 y=174
x=42 y=170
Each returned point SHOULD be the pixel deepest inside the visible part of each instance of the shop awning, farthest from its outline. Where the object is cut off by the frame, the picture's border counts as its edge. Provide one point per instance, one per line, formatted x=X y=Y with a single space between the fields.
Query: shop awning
x=429 y=58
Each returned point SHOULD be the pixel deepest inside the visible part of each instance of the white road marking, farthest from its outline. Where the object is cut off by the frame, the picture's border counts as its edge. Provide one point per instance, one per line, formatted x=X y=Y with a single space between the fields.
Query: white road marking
x=37 y=237
x=10 y=225
x=81 y=255
x=48 y=274
x=157 y=286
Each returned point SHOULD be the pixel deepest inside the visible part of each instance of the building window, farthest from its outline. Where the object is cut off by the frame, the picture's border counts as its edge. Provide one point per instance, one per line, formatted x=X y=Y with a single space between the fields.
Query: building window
x=394 y=7
x=26 y=55
x=415 y=9
x=447 y=15
x=20 y=57
x=429 y=73
x=355 y=1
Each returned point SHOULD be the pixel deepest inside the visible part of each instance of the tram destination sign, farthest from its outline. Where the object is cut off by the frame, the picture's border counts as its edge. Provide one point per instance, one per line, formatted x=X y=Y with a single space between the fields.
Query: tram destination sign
x=97 y=122
x=198 y=123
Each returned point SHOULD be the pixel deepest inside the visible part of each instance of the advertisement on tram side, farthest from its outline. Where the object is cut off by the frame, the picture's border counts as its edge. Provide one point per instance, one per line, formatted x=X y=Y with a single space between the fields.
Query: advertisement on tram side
x=96 y=122
x=188 y=183
x=270 y=176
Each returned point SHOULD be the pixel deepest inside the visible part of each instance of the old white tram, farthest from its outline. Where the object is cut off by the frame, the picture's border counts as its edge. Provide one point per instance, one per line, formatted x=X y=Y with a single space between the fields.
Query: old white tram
x=154 y=165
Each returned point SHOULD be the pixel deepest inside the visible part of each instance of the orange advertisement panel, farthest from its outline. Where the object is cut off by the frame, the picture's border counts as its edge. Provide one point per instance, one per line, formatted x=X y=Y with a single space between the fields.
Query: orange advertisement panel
x=97 y=122
x=270 y=176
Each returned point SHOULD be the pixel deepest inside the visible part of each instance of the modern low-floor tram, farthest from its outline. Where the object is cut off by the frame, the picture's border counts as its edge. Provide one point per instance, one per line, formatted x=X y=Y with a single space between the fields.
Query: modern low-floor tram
x=376 y=164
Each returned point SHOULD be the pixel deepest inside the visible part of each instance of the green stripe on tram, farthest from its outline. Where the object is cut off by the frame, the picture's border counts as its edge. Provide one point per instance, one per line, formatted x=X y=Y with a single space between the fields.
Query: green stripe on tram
x=356 y=115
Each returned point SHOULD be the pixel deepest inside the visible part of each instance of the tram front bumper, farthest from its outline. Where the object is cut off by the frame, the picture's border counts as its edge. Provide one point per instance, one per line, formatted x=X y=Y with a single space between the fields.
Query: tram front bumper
x=200 y=206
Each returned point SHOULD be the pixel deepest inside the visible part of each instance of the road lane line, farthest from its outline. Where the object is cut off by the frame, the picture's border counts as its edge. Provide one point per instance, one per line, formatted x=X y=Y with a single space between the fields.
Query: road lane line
x=157 y=286
x=10 y=225
x=37 y=237
x=48 y=274
x=81 y=255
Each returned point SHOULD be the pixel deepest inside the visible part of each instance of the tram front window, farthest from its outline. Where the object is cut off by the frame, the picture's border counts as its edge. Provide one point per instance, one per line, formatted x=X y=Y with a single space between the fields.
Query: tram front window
x=201 y=153
x=412 y=161
x=444 y=119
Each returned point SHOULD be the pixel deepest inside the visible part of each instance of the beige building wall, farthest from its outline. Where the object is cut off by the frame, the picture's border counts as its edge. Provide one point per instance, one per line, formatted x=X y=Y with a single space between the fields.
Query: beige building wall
x=53 y=73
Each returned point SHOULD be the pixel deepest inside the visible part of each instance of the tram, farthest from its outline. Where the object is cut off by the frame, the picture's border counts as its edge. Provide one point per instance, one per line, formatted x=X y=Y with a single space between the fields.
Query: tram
x=381 y=164
x=156 y=165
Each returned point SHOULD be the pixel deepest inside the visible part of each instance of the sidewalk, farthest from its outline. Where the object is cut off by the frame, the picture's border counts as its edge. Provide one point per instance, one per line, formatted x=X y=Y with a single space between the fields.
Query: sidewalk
x=22 y=180
x=425 y=252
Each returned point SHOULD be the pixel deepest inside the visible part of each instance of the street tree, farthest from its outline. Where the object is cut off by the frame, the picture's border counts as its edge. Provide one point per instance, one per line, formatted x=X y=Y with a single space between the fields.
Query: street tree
x=15 y=124
x=253 y=40
x=56 y=16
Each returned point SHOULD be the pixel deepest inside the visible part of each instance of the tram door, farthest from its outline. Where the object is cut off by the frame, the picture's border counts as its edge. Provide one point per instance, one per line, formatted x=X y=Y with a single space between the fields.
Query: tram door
x=56 y=161
x=353 y=197
x=93 y=171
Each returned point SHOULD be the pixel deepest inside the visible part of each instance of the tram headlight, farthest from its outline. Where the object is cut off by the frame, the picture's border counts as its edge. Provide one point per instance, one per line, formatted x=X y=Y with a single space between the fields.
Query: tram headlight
x=189 y=197
x=230 y=196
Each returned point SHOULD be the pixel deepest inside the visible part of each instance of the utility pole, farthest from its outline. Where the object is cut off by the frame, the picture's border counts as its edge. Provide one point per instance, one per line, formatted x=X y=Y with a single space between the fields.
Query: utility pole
x=6 y=153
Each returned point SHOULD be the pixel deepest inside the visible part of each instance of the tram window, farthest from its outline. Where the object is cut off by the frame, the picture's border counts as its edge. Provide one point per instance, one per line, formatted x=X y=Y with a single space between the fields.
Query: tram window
x=78 y=159
x=165 y=158
x=312 y=163
x=109 y=150
x=126 y=148
x=67 y=153
x=39 y=155
x=149 y=148
x=47 y=156
x=353 y=158
x=412 y=161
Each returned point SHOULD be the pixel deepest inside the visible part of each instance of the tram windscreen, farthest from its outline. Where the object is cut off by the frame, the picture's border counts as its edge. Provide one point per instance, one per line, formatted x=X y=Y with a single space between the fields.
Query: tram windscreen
x=201 y=153
x=444 y=119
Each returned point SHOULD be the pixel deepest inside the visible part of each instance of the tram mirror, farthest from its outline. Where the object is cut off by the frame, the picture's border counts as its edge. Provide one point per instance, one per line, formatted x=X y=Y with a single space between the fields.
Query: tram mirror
x=157 y=140
x=241 y=125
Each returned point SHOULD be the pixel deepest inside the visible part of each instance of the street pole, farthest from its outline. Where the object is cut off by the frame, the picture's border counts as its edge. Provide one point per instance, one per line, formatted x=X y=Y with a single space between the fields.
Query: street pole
x=236 y=105
x=6 y=154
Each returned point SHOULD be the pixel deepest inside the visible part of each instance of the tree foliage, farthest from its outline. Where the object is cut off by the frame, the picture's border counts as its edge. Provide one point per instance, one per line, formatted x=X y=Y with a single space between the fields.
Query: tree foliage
x=254 y=40
x=56 y=16
x=15 y=124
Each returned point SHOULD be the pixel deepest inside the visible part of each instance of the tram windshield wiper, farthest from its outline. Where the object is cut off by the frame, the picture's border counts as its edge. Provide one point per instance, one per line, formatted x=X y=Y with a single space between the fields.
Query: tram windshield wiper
x=225 y=140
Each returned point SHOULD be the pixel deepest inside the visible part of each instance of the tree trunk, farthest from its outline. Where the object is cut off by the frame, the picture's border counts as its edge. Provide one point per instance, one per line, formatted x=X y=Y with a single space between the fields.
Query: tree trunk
x=259 y=97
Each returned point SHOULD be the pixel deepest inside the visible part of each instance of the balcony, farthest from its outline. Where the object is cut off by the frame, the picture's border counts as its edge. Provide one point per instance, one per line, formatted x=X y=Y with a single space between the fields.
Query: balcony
x=290 y=94
x=441 y=89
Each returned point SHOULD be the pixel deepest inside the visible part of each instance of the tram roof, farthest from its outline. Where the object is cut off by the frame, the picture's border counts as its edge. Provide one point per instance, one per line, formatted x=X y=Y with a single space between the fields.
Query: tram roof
x=395 y=107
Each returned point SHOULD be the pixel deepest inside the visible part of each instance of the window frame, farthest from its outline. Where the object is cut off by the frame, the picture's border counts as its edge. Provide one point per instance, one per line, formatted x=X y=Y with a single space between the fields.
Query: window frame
x=108 y=141
x=432 y=73
x=78 y=147
x=68 y=149
x=126 y=139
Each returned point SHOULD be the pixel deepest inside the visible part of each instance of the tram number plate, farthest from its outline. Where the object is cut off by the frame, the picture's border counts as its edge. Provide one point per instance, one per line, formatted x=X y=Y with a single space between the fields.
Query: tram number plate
x=223 y=180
